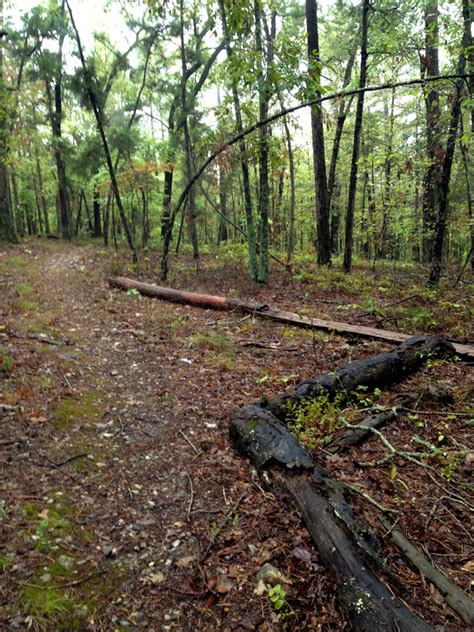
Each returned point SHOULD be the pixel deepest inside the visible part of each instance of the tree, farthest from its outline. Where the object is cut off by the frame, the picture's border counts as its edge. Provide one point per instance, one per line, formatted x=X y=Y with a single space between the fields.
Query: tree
x=317 y=130
x=442 y=215
x=349 y=236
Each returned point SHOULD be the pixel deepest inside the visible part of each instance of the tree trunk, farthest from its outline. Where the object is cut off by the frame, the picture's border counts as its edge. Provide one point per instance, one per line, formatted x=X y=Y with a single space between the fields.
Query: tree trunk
x=105 y=145
x=319 y=158
x=349 y=237
x=251 y=238
x=343 y=111
x=7 y=220
x=441 y=220
x=44 y=204
x=263 y=99
x=434 y=149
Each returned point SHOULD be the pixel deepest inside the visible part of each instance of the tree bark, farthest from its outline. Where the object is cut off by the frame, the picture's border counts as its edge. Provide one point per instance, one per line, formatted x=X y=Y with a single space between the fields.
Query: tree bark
x=317 y=130
x=443 y=193
x=349 y=236
x=434 y=149
x=251 y=237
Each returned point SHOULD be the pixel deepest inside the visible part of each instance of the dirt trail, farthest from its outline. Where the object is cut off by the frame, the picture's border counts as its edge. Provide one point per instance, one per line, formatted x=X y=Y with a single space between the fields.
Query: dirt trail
x=123 y=506
x=122 y=473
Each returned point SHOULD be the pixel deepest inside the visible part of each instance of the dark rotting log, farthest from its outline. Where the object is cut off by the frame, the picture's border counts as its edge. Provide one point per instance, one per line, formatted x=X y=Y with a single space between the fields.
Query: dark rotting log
x=366 y=601
x=374 y=372
x=356 y=436
x=208 y=301
x=258 y=431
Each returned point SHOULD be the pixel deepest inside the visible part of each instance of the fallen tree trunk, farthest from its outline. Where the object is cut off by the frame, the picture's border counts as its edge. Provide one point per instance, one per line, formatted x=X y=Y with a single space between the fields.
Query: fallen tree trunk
x=356 y=436
x=257 y=431
x=456 y=598
x=374 y=372
x=366 y=601
x=209 y=301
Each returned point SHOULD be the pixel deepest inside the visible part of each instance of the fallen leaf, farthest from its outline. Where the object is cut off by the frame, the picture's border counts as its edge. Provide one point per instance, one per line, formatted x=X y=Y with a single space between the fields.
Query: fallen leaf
x=185 y=561
x=224 y=584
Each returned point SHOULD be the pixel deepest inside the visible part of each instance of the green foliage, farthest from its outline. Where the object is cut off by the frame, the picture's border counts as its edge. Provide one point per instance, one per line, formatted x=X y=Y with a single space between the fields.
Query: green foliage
x=315 y=420
x=6 y=361
x=277 y=596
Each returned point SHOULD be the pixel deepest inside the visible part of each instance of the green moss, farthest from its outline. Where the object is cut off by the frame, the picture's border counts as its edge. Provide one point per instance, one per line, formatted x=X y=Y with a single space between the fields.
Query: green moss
x=6 y=361
x=25 y=289
x=85 y=408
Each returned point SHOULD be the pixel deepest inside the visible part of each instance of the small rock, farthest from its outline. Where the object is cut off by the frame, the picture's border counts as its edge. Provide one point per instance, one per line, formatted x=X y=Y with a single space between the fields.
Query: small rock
x=46 y=578
x=271 y=575
x=66 y=562
x=224 y=584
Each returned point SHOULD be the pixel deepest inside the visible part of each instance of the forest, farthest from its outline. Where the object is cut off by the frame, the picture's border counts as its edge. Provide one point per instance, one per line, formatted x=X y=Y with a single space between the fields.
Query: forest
x=236 y=315
x=101 y=140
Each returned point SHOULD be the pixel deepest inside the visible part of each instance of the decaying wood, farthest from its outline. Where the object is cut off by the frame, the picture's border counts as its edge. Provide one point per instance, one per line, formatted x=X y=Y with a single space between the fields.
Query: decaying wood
x=456 y=598
x=373 y=372
x=258 y=432
x=367 y=602
x=353 y=436
x=209 y=301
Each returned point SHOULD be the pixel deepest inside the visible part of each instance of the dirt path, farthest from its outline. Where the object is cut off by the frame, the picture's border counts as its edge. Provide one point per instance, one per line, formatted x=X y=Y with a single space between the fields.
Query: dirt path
x=119 y=472
x=123 y=505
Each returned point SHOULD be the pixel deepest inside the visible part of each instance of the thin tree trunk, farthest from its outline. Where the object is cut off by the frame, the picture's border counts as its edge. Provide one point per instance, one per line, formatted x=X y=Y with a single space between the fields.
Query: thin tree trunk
x=263 y=98
x=434 y=149
x=251 y=238
x=341 y=119
x=7 y=220
x=349 y=238
x=105 y=145
x=44 y=204
x=441 y=221
x=317 y=129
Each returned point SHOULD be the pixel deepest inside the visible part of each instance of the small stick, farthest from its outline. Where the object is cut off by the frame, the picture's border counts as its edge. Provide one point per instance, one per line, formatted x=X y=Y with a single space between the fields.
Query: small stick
x=369 y=499
x=189 y=441
x=221 y=526
x=191 y=500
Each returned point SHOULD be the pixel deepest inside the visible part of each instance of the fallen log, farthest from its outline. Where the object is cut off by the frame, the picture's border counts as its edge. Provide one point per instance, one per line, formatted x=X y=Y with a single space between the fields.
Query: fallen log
x=355 y=436
x=366 y=601
x=457 y=599
x=209 y=301
x=257 y=431
x=373 y=372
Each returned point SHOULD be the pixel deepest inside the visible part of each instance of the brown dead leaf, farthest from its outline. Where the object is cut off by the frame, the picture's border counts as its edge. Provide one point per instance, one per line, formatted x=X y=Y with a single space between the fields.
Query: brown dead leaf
x=185 y=561
x=468 y=566
x=224 y=584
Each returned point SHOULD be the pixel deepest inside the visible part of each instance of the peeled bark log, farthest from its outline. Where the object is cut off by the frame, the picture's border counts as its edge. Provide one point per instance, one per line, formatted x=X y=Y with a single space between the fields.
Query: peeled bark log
x=209 y=301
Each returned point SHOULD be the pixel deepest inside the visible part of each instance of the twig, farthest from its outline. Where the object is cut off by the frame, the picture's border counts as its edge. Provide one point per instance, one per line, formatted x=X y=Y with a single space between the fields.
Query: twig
x=431 y=412
x=220 y=527
x=189 y=441
x=369 y=499
x=191 y=500
x=72 y=458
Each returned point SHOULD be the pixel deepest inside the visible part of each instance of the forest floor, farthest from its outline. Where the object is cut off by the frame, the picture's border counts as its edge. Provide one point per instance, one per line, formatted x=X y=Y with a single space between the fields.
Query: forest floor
x=123 y=504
